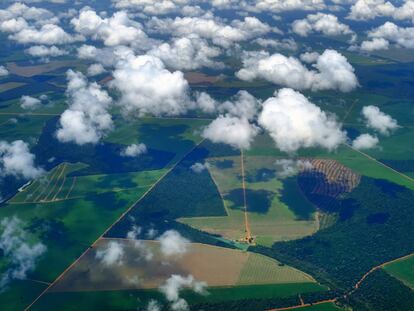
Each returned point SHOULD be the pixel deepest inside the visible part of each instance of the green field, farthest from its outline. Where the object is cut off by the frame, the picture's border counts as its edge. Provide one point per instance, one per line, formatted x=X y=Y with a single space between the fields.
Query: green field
x=402 y=270
x=270 y=206
x=127 y=300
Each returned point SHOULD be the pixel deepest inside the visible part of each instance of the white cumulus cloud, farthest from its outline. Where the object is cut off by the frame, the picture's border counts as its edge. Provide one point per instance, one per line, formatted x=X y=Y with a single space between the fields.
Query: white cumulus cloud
x=378 y=120
x=333 y=72
x=17 y=160
x=87 y=119
x=294 y=122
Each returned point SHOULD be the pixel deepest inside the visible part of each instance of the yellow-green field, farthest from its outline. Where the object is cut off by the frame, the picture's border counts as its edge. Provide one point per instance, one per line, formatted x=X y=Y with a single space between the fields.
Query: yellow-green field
x=278 y=223
x=216 y=266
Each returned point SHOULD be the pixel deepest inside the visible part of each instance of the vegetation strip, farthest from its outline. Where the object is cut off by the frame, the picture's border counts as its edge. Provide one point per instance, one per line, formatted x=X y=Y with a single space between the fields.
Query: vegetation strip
x=355 y=288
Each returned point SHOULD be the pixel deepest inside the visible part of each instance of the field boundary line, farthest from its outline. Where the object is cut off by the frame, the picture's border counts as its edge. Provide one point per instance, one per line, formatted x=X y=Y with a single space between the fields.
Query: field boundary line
x=112 y=225
x=379 y=162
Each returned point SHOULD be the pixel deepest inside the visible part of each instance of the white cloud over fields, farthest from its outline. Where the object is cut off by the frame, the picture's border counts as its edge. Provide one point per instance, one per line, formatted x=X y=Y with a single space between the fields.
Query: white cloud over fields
x=45 y=51
x=29 y=102
x=364 y=10
x=147 y=87
x=326 y=24
x=294 y=122
x=87 y=119
x=333 y=72
x=172 y=287
x=18 y=250
x=365 y=141
x=112 y=254
x=187 y=53
x=234 y=131
x=209 y=28
x=118 y=29
x=173 y=244
x=378 y=120
x=33 y=25
x=161 y=7
x=17 y=160
x=381 y=37
x=134 y=150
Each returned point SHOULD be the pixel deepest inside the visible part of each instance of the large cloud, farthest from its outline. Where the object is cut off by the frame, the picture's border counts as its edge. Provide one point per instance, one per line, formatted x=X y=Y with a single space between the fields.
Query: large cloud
x=327 y=24
x=234 y=131
x=16 y=246
x=147 y=87
x=17 y=160
x=378 y=120
x=333 y=71
x=87 y=119
x=370 y=9
x=380 y=37
x=294 y=122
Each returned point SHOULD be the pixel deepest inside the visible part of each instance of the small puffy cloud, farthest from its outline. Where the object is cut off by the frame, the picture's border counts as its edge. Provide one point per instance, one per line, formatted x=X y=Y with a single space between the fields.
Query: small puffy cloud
x=289 y=167
x=277 y=6
x=378 y=120
x=116 y=30
x=112 y=254
x=199 y=167
x=17 y=160
x=309 y=57
x=374 y=45
x=147 y=87
x=134 y=150
x=333 y=71
x=87 y=119
x=173 y=244
x=28 y=102
x=187 y=53
x=176 y=283
x=134 y=232
x=3 y=71
x=17 y=248
x=95 y=69
x=365 y=141
x=326 y=24
x=234 y=131
x=44 y=51
x=294 y=122
x=286 y=44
